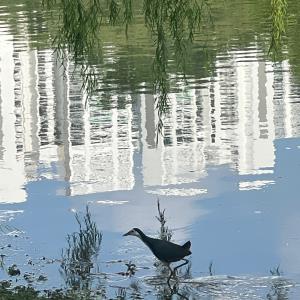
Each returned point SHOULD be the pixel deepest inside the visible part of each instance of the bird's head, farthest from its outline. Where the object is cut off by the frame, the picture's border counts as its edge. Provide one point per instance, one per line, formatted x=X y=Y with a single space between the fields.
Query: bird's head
x=135 y=232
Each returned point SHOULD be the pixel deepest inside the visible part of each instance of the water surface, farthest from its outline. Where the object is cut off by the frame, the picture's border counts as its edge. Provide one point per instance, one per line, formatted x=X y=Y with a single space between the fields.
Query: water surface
x=226 y=168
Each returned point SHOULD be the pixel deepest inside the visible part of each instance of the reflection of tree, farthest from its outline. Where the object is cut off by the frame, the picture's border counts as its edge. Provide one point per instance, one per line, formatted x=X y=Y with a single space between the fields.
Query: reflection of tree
x=80 y=257
x=172 y=25
x=292 y=42
x=78 y=36
x=178 y=20
x=85 y=24
x=278 y=17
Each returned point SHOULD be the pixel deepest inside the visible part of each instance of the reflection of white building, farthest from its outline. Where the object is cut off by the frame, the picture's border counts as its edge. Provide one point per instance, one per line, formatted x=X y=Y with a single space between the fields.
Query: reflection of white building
x=232 y=119
x=12 y=172
x=47 y=130
x=107 y=164
x=255 y=118
x=180 y=158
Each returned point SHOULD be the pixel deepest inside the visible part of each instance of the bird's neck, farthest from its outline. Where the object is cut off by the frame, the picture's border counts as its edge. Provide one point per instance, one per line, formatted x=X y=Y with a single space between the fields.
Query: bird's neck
x=144 y=237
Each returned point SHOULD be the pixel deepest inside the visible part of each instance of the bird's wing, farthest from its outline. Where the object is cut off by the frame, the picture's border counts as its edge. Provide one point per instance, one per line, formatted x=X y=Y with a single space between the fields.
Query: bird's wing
x=167 y=251
x=187 y=245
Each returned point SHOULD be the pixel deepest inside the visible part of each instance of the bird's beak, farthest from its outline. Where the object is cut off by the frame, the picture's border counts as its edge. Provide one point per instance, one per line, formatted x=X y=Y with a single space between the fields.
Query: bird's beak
x=128 y=233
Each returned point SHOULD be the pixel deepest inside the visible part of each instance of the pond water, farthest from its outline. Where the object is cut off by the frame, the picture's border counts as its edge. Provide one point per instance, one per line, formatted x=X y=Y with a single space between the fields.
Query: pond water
x=225 y=168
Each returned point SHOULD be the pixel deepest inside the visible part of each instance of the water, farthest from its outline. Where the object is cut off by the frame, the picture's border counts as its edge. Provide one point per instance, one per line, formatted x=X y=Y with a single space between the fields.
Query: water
x=226 y=170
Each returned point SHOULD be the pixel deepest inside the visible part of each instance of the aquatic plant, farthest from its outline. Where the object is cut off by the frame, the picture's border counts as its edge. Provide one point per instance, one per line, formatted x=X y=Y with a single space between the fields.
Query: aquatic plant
x=165 y=233
x=121 y=294
x=79 y=257
x=13 y=270
x=7 y=292
x=166 y=291
x=2 y=264
x=78 y=260
x=131 y=269
x=276 y=271
x=211 y=271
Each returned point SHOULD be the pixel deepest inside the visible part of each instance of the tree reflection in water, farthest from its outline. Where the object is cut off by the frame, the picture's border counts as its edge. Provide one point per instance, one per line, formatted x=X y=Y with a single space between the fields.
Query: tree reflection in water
x=172 y=25
x=278 y=28
x=178 y=20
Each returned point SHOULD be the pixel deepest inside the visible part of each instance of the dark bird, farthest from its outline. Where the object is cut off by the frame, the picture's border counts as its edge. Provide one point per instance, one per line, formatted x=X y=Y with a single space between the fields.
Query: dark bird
x=165 y=251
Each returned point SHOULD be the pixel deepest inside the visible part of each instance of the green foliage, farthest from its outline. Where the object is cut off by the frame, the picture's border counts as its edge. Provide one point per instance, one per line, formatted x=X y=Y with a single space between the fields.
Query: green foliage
x=278 y=30
x=78 y=32
x=128 y=14
x=174 y=27
x=29 y=293
x=172 y=24
x=20 y=292
x=114 y=10
x=83 y=247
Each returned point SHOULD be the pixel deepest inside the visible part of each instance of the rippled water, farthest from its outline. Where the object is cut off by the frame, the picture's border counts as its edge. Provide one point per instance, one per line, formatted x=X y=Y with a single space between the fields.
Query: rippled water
x=226 y=169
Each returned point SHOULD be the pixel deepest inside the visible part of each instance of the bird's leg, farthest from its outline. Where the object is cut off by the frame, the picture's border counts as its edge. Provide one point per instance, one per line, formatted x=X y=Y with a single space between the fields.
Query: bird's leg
x=186 y=261
x=168 y=281
x=173 y=289
x=171 y=271
x=170 y=276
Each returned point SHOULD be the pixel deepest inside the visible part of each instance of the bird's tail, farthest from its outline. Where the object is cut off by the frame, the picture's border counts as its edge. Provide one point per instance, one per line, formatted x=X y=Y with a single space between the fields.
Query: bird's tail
x=187 y=245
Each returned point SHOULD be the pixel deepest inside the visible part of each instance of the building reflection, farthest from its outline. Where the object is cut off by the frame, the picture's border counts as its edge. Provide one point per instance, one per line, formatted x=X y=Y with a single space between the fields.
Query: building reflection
x=46 y=129
x=232 y=119
x=12 y=172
